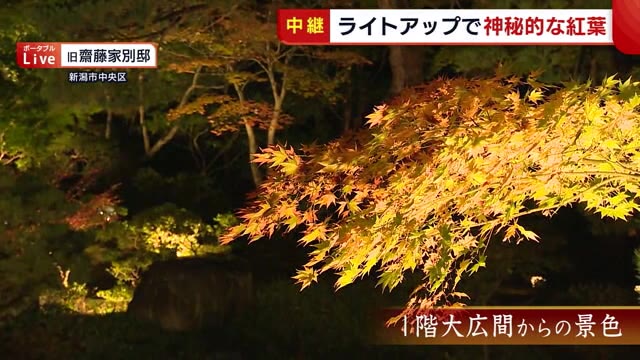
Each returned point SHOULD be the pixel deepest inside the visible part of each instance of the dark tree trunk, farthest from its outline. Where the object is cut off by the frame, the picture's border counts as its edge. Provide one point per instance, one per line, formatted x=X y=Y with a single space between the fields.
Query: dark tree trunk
x=406 y=61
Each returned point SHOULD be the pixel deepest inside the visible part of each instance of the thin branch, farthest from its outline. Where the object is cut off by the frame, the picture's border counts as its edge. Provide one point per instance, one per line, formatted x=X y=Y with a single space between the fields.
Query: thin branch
x=194 y=84
x=141 y=115
x=198 y=157
x=224 y=149
x=174 y=130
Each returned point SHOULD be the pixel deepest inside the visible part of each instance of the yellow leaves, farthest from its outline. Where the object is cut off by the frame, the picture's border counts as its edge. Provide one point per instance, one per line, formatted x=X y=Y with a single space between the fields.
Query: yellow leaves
x=327 y=199
x=618 y=199
x=264 y=207
x=287 y=210
x=439 y=281
x=535 y=96
x=197 y=106
x=322 y=248
x=610 y=144
x=633 y=102
x=620 y=211
x=619 y=206
x=318 y=232
x=516 y=230
x=409 y=261
x=291 y=222
x=242 y=77
x=388 y=195
x=628 y=88
x=387 y=216
x=231 y=234
x=347 y=276
x=378 y=116
x=353 y=206
x=632 y=189
x=390 y=278
x=479 y=264
x=328 y=167
x=588 y=137
x=592 y=111
x=610 y=82
x=371 y=261
x=461 y=269
x=290 y=167
x=280 y=158
x=306 y=277
x=470 y=107
x=459 y=295
x=191 y=65
x=478 y=178
x=449 y=184
x=278 y=155
x=533 y=82
x=514 y=98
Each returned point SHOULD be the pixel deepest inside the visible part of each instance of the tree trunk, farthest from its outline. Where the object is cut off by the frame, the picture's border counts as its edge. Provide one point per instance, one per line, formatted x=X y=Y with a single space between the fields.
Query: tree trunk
x=107 y=130
x=143 y=126
x=406 y=61
x=253 y=148
x=273 y=125
x=251 y=139
x=347 y=112
x=150 y=150
x=278 y=99
x=174 y=129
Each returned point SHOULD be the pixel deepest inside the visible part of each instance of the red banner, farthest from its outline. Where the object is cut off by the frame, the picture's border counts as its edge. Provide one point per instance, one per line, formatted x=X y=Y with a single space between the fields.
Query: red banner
x=303 y=26
x=82 y=55
x=514 y=326
x=38 y=55
x=626 y=26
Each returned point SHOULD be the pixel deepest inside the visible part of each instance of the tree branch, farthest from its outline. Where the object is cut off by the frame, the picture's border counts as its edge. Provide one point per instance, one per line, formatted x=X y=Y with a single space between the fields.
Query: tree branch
x=143 y=126
x=174 y=130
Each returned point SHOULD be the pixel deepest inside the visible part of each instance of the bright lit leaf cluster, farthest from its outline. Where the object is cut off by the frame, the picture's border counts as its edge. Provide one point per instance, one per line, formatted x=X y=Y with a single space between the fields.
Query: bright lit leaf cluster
x=444 y=169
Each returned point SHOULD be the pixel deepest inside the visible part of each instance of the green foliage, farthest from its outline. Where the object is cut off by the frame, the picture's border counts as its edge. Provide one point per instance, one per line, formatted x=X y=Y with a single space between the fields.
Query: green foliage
x=39 y=150
x=129 y=247
x=32 y=213
x=423 y=191
x=118 y=295
x=159 y=233
x=72 y=297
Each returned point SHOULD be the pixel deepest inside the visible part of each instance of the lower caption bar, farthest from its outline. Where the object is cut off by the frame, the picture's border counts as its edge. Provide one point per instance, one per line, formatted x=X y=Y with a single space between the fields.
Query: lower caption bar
x=512 y=326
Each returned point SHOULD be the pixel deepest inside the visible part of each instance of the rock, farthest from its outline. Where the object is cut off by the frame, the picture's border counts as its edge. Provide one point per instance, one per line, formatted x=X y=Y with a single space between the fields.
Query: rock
x=191 y=293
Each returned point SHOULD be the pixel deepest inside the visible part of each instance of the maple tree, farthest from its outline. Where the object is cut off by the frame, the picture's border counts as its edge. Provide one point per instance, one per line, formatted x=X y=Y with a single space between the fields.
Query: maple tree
x=245 y=51
x=214 y=62
x=445 y=168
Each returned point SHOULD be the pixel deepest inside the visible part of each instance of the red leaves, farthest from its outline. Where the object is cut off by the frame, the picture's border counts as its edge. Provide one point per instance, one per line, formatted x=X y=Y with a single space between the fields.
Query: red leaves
x=232 y=114
x=198 y=106
x=96 y=212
